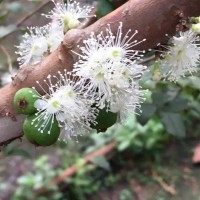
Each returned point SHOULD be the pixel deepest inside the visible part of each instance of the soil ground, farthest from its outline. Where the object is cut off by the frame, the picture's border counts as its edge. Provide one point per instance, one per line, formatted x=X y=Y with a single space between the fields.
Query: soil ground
x=171 y=177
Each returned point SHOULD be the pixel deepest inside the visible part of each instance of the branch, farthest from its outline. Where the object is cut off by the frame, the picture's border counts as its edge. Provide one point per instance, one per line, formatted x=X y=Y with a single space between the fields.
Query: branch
x=68 y=172
x=26 y=17
x=73 y=169
x=152 y=18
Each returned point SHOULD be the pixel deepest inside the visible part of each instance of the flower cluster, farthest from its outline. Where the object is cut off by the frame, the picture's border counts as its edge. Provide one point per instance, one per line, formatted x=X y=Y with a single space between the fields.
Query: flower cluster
x=181 y=57
x=109 y=63
x=106 y=75
x=69 y=15
x=65 y=102
x=40 y=41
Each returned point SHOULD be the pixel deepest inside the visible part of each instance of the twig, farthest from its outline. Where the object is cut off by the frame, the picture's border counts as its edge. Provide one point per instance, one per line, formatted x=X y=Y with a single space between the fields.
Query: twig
x=32 y=13
x=8 y=58
x=73 y=169
x=168 y=188
x=23 y=19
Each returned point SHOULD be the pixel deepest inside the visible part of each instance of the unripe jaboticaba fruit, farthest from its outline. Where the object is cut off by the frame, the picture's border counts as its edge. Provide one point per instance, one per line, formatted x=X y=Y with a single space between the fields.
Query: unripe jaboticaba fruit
x=49 y=135
x=24 y=100
x=104 y=119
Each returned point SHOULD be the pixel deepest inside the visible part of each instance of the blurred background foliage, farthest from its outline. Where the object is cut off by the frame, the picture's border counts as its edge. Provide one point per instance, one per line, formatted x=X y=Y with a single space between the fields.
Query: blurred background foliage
x=151 y=157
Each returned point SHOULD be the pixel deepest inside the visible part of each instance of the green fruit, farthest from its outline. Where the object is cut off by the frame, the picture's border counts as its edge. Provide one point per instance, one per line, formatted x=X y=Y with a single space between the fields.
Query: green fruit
x=105 y=119
x=49 y=135
x=24 y=100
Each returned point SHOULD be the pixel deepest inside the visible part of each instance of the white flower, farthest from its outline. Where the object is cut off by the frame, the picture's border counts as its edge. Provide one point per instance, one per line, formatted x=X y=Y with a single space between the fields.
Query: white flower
x=106 y=46
x=33 y=46
x=54 y=36
x=109 y=78
x=69 y=14
x=127 y=103
x=109 y=64
x=120 y=46
x=39 y=42
x=182 y=56
x=65 y=102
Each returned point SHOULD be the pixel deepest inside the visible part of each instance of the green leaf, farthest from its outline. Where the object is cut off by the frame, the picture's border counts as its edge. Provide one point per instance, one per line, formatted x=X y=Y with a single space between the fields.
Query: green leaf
x=192 y=82
x=147 y=112
x=195 y=106
x=173 y=124
x=177 y=105
x=12 y=150
x=124 y=145
x=160 y=98
x=19 y=152
x=101 y=162
x=104 y=7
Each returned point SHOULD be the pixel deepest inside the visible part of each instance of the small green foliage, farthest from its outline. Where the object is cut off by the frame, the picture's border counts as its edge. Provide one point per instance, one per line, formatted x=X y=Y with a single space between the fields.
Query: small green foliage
x=126 y=194
x=32 y=181
x=111 y=180
x=82 y=184
x=48 y=137
x=24 y=100
x=138 y=137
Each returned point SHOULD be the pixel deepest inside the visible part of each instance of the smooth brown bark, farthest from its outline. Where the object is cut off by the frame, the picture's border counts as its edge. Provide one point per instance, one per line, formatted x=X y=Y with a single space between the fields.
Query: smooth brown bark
x=152 y=18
